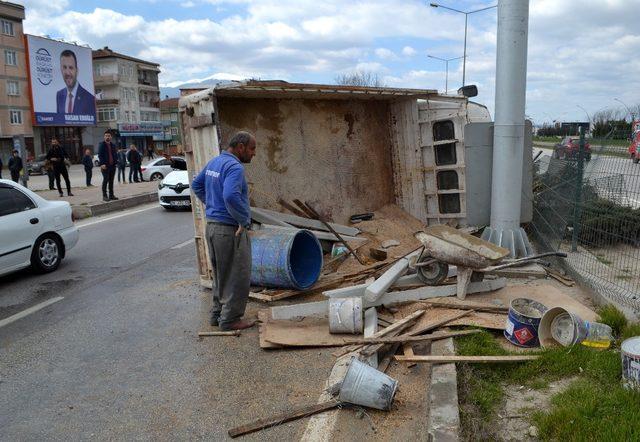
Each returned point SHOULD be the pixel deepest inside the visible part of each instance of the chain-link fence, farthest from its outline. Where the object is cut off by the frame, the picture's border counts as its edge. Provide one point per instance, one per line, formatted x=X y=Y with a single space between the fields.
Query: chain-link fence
x=587 y=203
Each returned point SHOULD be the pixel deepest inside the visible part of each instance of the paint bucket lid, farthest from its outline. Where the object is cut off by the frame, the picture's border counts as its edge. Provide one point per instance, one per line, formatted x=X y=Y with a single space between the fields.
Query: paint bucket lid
x=631 y=346
x=563 y=329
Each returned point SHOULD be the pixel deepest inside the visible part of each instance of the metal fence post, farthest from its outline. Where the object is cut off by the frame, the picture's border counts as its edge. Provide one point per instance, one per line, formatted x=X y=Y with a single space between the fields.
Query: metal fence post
x=577 y=208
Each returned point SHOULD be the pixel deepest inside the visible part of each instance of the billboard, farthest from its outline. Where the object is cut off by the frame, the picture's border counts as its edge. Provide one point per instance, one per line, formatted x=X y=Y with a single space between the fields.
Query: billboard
x=61 y=83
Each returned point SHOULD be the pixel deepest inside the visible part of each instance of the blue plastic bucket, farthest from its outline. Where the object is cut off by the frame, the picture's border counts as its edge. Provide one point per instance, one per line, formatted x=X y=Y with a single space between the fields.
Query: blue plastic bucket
x=285 y=259
x=523 y=322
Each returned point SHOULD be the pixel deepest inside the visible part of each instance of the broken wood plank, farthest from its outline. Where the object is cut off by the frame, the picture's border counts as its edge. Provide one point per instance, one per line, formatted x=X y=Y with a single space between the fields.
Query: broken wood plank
x=469 y=359
x=467 y=306
x=321 y=307
x=283 y=294
x=282 y=418
x=307 y=223
x=220 y=333
x=388 y=357
x=407 y=350
x=305 y=209
x=291 y=208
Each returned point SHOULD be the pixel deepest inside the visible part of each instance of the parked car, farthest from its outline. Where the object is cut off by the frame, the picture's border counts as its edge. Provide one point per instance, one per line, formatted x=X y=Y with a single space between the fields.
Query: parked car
x=568 y=149
x=36 y=165
x=634 y=148
x=173 y=191
x=159 y=168
x=35 y=232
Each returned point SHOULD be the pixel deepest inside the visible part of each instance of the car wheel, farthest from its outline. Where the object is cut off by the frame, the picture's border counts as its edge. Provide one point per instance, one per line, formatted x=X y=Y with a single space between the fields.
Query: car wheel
x=156 y=176
x=46 y=254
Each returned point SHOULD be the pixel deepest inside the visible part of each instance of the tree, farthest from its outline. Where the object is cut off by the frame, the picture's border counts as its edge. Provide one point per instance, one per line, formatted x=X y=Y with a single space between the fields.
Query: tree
x=360 y=78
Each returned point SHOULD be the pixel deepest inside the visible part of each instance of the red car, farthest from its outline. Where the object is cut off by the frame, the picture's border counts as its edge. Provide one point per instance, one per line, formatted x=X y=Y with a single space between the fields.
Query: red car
x=568 y=149
x=634 y=149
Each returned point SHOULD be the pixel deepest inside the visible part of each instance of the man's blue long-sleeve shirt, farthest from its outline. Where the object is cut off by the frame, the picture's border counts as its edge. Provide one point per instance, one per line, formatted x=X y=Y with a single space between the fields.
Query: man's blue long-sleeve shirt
x=222 y=187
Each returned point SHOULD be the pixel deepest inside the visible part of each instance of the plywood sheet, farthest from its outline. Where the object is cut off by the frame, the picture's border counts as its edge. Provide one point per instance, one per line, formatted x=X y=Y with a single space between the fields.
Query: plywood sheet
x=307 y=332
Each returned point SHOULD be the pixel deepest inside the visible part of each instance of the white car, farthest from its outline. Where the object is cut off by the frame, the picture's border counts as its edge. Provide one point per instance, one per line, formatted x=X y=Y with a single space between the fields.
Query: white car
x=173 y=191
x=159 y=168
x=34 y=232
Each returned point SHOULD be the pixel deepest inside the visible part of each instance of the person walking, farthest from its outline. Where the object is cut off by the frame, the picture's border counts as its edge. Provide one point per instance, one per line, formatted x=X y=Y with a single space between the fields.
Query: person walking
x=135 y=159
x=122 y=164
x=107 y=159
x=57 y=156
x=15 y=165
x=222 y=187
x=150 y=152
x=87 y=162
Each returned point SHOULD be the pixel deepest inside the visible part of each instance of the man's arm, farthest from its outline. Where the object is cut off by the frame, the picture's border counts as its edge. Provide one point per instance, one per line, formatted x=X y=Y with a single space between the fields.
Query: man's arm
x=198 y=185
x=232 y=195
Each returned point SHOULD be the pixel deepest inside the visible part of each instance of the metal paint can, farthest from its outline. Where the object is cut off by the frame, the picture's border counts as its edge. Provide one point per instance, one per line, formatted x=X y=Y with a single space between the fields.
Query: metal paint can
x=346 y=315
x=630 y=352
x=523 y=321
x=366 y=386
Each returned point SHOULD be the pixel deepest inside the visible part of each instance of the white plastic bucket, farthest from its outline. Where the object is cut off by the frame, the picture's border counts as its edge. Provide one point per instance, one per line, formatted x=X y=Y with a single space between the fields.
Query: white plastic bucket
x=630 y=352
x=366 y=386
x=346 y=315
x=561 y=327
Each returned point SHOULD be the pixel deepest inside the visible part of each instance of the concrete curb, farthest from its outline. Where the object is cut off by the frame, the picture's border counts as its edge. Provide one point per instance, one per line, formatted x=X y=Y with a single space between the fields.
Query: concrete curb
x=444 y=414
x=86 y=211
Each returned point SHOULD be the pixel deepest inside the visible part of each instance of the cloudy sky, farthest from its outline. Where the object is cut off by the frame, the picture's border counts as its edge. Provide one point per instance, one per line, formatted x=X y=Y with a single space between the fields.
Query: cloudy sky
x=581 y=52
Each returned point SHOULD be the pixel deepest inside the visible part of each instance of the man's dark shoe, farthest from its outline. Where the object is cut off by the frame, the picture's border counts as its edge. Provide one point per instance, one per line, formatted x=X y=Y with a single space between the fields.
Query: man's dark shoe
x=113 y=198
x=70 y=194
x=61 y=194
x=213 y=320
x=105 y=198
x=239 y=325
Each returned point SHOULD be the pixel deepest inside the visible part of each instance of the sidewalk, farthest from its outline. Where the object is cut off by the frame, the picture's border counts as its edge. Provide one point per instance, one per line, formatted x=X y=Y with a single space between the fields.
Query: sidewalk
x=87 y=201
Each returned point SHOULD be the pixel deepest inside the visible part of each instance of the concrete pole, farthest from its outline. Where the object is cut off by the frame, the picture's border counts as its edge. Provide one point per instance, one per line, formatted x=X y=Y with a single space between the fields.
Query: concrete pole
x=508 y=139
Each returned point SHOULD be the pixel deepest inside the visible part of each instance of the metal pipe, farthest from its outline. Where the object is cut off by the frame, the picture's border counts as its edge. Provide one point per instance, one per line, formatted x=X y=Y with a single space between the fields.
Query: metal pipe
x=508 y=141
x=464 y=55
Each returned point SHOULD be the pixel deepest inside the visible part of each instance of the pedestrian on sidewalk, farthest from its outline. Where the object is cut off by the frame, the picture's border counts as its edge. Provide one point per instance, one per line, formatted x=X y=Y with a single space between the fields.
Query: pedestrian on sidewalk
x=150 y=152
x=57 y=155
x=135 y=159
x=87 y=162
x=107 y=159
x=222 y=187
x=122 y=164
x=48 y=167
x=15 y=165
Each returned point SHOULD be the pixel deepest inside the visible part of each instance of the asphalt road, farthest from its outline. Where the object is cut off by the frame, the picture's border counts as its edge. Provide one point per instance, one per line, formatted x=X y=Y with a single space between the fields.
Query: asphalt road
x=624 y=188
x=118 y=358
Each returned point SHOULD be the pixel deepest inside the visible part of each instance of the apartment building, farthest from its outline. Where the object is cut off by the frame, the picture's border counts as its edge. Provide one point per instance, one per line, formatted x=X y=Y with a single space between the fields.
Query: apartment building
x=127 y=99
x=172 y=143
x=15 y=109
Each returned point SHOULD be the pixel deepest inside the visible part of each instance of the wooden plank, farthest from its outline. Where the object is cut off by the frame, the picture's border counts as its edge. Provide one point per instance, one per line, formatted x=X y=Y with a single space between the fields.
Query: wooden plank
x=388 y=357
x=292 y=208
x=373 y=348
x=282 y=418
x=467 y=306
x=220 y=333
x=266 y=297
x=469 y=359
x=309 y=223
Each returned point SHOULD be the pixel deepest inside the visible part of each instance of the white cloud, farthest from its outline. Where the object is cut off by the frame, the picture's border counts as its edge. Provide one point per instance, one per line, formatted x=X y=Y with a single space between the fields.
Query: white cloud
x=408 y=51
x=385 y=54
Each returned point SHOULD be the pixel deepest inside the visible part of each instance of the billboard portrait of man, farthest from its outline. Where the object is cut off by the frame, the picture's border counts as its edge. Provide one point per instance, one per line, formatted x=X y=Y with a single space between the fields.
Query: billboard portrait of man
x=73 y=99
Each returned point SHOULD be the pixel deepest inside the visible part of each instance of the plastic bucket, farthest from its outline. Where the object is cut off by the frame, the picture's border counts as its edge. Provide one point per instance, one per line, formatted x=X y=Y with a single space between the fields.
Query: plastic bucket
x=523 y=321
x=561 y=327
x=366 y=386
x=630 y=352
x=285 y=259
x=345 y=315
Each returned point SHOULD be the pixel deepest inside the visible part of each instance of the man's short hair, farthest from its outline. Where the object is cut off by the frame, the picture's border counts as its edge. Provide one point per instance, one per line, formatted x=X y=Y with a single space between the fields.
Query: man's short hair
x=54 y=138
x=69 y=53
x=15 y=151
x=107 y=132
x=241 y=137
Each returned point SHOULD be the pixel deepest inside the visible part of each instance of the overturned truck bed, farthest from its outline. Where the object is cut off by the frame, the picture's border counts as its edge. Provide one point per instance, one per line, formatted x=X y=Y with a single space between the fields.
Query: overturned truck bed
x=345 y=149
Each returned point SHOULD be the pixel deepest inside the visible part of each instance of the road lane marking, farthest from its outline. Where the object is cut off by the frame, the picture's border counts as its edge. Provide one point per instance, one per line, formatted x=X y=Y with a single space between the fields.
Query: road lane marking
x=80 y=225
x=30 y=310
x=182 y=244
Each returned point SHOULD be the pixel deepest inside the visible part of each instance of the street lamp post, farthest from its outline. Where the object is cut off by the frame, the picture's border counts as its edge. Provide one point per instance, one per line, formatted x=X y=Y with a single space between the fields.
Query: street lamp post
x=466 y=20
x=446 y=63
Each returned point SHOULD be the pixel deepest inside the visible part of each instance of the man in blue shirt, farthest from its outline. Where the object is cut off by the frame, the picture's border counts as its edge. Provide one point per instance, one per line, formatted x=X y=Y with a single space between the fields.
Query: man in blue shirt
x=222 y=187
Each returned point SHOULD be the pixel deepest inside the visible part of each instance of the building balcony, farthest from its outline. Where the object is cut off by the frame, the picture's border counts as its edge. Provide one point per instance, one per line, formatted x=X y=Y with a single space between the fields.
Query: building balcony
x=150 y=103
x=104 y=101
x=102 y=80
